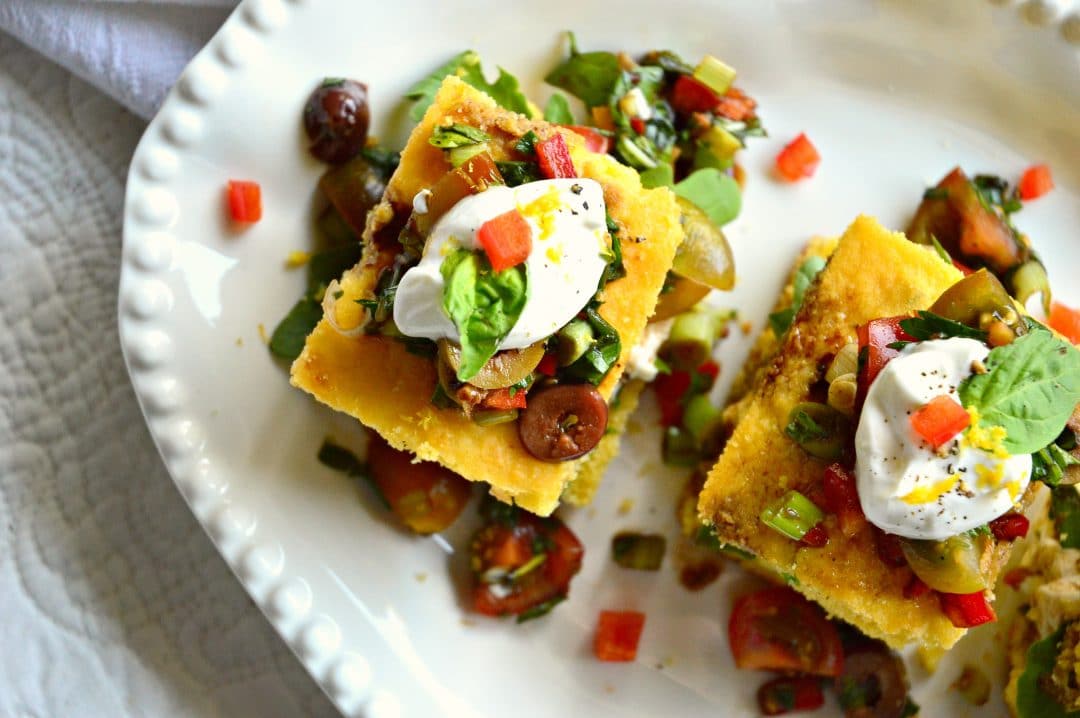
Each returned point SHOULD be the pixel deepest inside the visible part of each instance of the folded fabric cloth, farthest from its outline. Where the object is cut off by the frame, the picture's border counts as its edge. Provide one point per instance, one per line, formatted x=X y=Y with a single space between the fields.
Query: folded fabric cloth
x=133 y=50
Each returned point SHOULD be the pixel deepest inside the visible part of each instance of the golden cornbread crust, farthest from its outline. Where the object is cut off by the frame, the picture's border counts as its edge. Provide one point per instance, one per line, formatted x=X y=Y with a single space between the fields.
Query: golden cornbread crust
x=376 y=380
x=872 y=273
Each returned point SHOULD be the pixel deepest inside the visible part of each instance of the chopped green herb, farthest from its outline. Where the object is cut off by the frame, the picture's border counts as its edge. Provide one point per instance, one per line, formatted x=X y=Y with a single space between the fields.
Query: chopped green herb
x=1050 y=463
x=341 y=459
x=805 y=275
x=519 y=173
x=589 y=76
x=506 y=90
x=526 y=145
x=557 y=110
x=540 y=609
x=927 y=325
x=457 y=135
x=818 y=428
x=289 y=336
x=662 y=175
x=598 y=359
x=716 y=193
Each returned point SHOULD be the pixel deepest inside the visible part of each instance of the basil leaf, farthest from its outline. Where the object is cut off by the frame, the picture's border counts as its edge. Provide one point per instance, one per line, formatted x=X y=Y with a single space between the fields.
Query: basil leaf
x=483 y=304
x=614 y=269
x=1030 y=389
x=596 y=362
x=714 y=192
x=805 y=275
x=518 y=173
x=670 y=61
x=325 y=267
x=803 y=429
x=928 y=325
x=1031 y=700
x=1065 y=512
x=341 y=459
x=457 y=135
x=506 y=90
x=289 y=336
x=589 y=76
x=526 y=144
x=662 y=175
x=557 y=110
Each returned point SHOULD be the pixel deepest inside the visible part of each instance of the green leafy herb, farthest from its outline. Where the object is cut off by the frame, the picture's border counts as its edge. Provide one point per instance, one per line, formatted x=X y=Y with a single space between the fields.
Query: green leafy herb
x=803 y=429
x=589 y=76
x=928 y=325
x=383 y=160
x=518 y=173
x=1030 y=389
x=600 y=357
x=1031 y=700
x=483 y=304
x=325 y=267
x=615 y=268
x=493 y=511
x=911 y=708
x=289 y=336
x=541 y=609
x=526 y=144
x=941 y=251
x=669 y=61
x=1065 y=511
x=805 y=275
x=341 y=459
x=994 y=191
x=557 y=110
x=714 y=192
x=506 y=90
x=662 y=175
x=457 y=135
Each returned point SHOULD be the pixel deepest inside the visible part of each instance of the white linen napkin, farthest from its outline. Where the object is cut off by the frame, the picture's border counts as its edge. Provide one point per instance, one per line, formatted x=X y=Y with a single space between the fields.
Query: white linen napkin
x=133 y=50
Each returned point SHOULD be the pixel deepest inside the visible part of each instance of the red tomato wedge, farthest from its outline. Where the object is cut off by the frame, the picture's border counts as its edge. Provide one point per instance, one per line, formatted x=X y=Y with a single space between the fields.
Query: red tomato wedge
x=783 y=695
x=245 y=201
x=776 y=629
x=799 y=159
x=1035 y=182
x=595 y=141
x=842 y=499
x=874 y=338
x=1066 y=321
x=617 y=635
x=426 y=497
x=553 y=156
x=688 y=96
x=506 y=239
x=967 y=610
x=940 y=420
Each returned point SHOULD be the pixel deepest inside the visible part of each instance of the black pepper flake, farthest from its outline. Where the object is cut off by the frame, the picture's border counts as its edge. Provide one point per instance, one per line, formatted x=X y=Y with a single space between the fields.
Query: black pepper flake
x=585 y=205
x=576 y=188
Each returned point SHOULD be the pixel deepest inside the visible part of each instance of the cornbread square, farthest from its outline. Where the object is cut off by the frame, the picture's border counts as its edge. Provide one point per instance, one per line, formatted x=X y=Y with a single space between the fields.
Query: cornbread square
x=378 y=381
x=872 y=273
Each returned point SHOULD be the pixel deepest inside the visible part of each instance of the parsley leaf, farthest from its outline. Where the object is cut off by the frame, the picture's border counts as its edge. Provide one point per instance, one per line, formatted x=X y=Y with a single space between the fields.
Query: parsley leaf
x=1030 y=389
x=589 y=76
x=780 y=320
x=928 y=325
x=518 y=173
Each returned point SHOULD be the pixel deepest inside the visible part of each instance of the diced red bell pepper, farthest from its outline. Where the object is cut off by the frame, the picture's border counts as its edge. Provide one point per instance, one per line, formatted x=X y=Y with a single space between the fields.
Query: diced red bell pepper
x=736 y=105
x=798 y=159
x=553 y=157
x=940 y=420
x=245 y=201
x=842 y=499
x=710 y=369
x=506 y=239
x=875 y=337
x=915 y=588
x=548 y=365
x=670 y=390
x=637 y=125
x=688 y=96
x=503 y=399
x=1035 y=182
x=1010 y=527
x=1066 y=321
x=617 y=635
x=816 y=537
x=967 y=610
x=595 y=141
x=783 y=695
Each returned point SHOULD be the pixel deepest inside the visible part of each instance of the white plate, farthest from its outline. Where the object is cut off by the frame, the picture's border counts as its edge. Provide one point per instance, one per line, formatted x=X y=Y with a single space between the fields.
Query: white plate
x=892 y=93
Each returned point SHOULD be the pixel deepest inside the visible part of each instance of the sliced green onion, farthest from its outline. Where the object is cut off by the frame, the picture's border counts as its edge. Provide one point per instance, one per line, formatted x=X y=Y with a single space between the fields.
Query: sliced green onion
x=691 y=339
x=679 y=448
x=641 y=552
x=633 y=154
x=792 y=515
x=528 y=567
x=572 y=341
x=1029 y=279
x=461 y=155
x=818 y=428
x=490 y=418
x=704 y=420
x=715 y=74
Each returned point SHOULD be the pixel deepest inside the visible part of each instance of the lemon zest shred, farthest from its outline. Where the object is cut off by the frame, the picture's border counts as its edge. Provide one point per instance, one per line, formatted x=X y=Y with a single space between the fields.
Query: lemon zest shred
x=927 y=494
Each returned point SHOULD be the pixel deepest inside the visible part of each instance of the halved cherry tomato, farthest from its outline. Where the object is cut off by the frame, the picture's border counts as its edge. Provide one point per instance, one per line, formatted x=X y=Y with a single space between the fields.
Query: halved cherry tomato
x=777 y=629
x=874 y=339
x=594 y=141
x=689 y=96
x=1035 y=182
x=1066 y=321
x=617 y=635
x=783 y=695
x=798 y=159
x=426 y=497
x=967 y=610
x=522 y=564
x=940 y=420
x=1010 y=527
x=245 y=201
x=842 y=499
x=506 y=239
x=548 y=365
x=553 y=156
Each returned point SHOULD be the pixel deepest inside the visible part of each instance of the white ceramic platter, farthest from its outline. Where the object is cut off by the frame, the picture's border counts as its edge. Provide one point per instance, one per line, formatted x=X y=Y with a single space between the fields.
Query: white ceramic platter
x=893 y=94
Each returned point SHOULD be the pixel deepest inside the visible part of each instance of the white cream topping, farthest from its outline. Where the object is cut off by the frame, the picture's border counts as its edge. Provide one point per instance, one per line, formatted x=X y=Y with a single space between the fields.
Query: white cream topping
x=905 y=487
x=569 y=237
x=642 y=362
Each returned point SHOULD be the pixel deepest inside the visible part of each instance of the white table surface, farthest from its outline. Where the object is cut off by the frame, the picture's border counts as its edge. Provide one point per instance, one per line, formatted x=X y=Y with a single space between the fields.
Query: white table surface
x=112 y=600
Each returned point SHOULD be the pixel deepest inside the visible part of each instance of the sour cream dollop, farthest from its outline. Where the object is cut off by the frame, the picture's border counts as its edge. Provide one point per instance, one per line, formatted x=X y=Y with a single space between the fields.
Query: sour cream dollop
x=907 y=488
x=569 y=236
